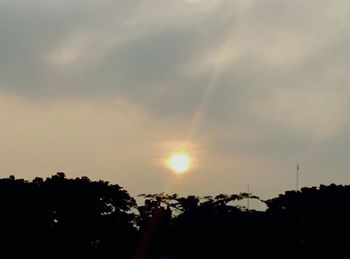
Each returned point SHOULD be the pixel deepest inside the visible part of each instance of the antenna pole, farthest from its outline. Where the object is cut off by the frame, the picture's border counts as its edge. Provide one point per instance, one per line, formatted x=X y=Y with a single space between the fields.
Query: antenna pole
x=297 y=176
x=248 y=198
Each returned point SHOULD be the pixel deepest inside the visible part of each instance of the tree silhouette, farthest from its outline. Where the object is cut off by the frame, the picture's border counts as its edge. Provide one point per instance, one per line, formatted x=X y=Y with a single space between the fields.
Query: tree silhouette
x=60 y=217
x=68 y=216
x=312 y=221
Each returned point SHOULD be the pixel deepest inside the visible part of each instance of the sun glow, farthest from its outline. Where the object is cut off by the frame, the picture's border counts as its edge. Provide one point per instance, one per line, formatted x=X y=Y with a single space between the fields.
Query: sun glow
x=179 y=162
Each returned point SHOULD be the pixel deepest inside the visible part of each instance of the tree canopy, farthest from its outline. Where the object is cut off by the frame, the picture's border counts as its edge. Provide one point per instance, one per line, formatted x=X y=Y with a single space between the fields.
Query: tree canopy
x=60 y=217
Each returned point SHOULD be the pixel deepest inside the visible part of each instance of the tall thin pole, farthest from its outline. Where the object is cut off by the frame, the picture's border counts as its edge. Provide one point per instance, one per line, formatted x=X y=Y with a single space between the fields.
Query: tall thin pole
x=298 y=168
x=248 y=198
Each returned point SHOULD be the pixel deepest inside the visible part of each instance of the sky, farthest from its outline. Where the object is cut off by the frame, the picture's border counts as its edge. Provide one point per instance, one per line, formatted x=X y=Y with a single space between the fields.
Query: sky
x=109 y=88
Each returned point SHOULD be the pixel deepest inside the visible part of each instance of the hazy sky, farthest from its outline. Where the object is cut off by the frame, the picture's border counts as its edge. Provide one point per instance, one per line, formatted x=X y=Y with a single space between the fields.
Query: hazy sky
x=108 y=88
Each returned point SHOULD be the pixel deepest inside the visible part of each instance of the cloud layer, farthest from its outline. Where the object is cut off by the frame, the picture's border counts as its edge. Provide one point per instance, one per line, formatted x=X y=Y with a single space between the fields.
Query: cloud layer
x=256 y=85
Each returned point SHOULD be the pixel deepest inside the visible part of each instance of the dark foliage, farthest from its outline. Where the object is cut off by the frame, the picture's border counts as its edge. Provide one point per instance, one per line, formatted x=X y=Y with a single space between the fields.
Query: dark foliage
x=64 y=218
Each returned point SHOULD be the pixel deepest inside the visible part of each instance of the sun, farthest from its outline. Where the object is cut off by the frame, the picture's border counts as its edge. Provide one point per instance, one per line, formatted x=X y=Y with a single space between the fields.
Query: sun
x=179 y=162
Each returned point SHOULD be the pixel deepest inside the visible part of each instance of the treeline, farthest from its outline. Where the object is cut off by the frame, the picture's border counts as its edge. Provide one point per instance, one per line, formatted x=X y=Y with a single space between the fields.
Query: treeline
x=64 y=218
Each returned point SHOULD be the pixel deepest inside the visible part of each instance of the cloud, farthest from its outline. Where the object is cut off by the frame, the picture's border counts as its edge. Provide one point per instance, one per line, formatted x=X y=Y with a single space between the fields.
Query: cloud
x=276 y=73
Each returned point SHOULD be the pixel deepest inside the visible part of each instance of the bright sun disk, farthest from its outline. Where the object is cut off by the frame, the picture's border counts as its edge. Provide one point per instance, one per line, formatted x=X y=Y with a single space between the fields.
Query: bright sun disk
x=179 y=162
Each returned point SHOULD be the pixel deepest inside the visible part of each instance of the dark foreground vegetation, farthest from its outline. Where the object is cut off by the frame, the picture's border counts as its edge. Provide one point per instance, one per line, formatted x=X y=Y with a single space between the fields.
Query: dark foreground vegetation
x=79 y=218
